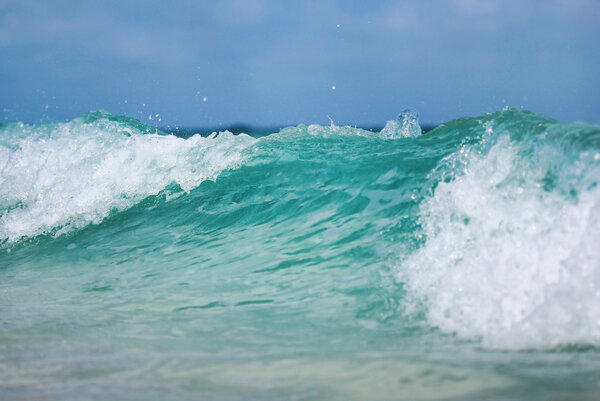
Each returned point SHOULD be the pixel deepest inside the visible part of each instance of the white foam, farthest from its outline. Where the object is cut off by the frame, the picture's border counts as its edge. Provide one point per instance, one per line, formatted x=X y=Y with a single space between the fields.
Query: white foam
x=74 y=174
x=505 y=260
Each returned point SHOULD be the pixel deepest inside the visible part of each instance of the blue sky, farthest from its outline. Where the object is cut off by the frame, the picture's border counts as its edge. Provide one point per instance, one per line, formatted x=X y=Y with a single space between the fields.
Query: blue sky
x=208 y=63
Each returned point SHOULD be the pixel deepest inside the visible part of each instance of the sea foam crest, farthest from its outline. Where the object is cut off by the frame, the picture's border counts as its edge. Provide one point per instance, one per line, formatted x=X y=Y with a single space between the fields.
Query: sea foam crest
x=511 y=253
x=54 y=178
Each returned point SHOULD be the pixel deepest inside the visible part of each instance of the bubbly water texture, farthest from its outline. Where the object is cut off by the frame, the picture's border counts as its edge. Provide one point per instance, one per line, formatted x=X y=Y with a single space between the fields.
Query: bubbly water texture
x=311 y=263
x=69 y=175
x=510 y=229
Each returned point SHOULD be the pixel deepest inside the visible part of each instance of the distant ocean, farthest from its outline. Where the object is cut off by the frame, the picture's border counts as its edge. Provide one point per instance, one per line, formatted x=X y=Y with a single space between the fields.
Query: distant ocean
x=312 y=263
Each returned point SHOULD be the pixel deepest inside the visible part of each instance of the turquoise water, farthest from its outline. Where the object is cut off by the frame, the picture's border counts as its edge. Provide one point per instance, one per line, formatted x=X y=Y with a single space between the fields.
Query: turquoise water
x=315 y=263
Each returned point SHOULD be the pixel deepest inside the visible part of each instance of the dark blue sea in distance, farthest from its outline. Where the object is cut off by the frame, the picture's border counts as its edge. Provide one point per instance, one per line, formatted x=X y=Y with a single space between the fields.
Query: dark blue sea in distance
x=308 y=263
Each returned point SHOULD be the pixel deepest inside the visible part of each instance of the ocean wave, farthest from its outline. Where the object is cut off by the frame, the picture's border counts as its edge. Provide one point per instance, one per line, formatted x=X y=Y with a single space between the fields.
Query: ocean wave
x=490 y=224
x=58 y=177
x=55 y=178
x=509 y=229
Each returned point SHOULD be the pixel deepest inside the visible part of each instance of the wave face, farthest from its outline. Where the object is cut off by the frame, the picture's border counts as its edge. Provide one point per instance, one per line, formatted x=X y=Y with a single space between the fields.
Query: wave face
x=313 y=246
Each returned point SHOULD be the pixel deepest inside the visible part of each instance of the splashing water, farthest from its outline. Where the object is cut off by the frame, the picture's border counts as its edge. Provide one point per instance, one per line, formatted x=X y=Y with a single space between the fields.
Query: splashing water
x=406 y=125
x=312 y=263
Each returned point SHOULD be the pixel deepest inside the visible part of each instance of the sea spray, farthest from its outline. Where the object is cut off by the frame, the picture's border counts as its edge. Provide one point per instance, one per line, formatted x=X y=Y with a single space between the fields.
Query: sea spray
x=405 y=126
